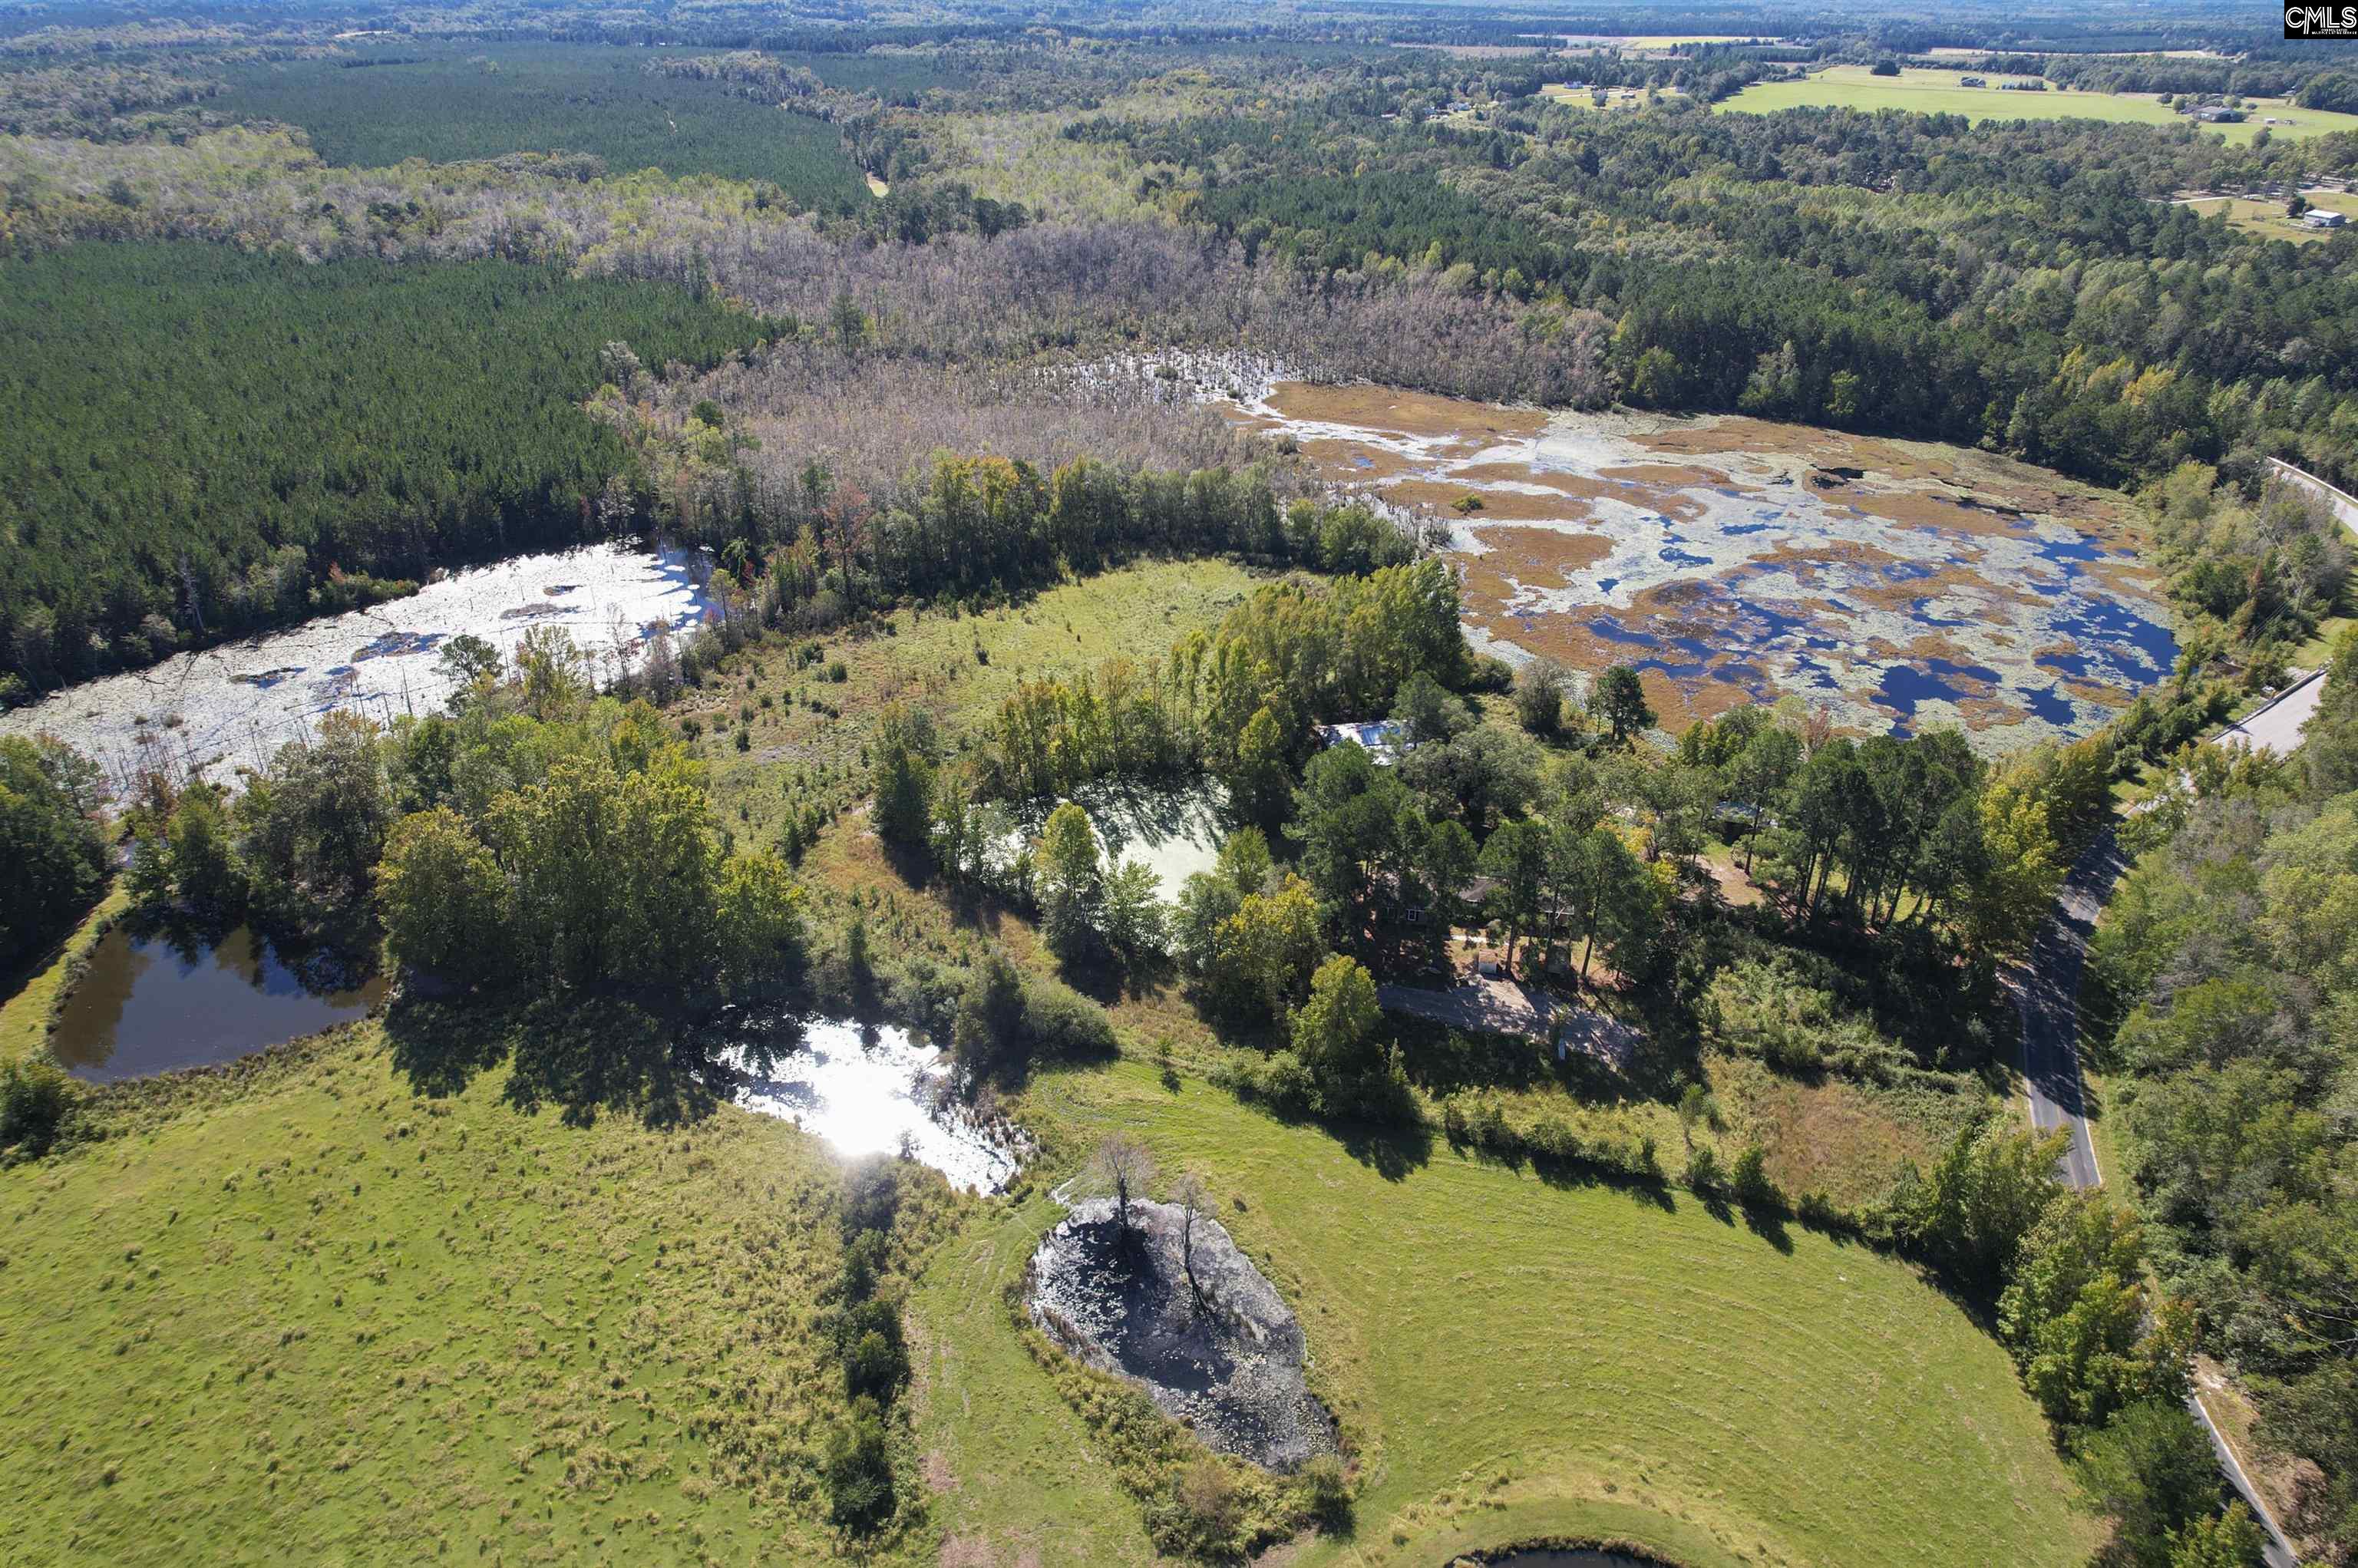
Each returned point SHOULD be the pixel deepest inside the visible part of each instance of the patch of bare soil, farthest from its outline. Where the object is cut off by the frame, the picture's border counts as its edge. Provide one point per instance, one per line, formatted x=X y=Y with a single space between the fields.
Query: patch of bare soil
x=1509 y=505
x=1351 y=460
x=1222 y=1353
x=1409 y=413
x=1674 y=475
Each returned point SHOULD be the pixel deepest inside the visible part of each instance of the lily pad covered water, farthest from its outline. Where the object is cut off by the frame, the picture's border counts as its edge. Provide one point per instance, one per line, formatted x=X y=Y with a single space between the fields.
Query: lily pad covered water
x=877 y=1091
x=1893 y=584
x=213 y=711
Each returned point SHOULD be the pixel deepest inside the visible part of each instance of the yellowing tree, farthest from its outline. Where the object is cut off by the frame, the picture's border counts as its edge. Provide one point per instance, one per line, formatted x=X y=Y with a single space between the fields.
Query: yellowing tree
x=2019 y=873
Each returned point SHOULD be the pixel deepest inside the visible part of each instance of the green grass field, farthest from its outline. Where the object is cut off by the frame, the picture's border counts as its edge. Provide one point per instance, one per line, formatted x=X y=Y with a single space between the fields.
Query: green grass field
x=1516 y=1359
x=297 y=1312
x=1925 y=91
x=296 y=1315
x=2268 y=220
x=930 y=663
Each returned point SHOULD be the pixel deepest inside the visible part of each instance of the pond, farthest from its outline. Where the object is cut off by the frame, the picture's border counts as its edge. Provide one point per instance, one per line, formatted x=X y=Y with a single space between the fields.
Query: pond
x=1176 y=833
x=1892 y=584
x=209 y=713
x=152 y=1004
x=868 y=1091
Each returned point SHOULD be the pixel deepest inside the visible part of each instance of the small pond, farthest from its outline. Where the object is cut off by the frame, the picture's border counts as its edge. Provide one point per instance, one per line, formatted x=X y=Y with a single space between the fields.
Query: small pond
x=878 y=1091
x=153 y=1004
x=1176 y=832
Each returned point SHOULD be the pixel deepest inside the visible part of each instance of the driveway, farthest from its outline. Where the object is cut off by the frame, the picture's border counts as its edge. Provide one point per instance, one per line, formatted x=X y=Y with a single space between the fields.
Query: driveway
x=2276 y=727
x=1501 y=1006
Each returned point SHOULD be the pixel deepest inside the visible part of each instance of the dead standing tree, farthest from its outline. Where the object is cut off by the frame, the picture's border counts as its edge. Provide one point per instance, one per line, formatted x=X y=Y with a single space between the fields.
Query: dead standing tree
x=1122 y=1166
x=1193 y=1198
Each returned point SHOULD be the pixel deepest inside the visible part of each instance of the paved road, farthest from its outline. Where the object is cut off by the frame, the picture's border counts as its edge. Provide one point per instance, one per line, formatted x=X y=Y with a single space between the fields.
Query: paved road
x=2047 y=991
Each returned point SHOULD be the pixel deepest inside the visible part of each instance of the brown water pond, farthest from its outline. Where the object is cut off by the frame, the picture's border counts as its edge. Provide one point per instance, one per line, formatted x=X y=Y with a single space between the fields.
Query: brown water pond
x=153 y=1004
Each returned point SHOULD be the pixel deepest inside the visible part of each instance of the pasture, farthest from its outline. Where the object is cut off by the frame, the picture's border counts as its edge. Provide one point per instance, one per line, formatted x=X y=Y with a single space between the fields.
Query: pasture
x=1920 y=90
x=1514 y=1358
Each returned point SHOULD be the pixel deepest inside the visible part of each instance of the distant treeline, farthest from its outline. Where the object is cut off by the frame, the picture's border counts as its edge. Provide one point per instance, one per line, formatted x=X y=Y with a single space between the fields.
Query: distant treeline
x=203 y=443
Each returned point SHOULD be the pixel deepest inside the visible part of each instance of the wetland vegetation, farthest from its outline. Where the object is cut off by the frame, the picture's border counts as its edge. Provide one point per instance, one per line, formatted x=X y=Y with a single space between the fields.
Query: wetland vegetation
x=843 y=621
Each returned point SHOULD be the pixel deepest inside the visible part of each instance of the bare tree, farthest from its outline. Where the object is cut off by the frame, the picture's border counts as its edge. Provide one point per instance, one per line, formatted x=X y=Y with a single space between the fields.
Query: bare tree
x=1193 y=1198
x=1122 y=1166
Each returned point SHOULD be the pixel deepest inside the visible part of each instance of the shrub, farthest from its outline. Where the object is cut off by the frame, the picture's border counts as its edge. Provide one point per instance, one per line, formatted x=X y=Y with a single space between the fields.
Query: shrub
x=1490 y=673
x=1326 y=1494
x=859 y=1470
x=37 y=1106
x=1748 y=1180
x=1063 y=1024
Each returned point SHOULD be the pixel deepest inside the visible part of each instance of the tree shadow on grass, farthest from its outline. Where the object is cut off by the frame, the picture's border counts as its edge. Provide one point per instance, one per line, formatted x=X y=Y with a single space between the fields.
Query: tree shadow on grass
x=583 y=1055
x=1392 y=1150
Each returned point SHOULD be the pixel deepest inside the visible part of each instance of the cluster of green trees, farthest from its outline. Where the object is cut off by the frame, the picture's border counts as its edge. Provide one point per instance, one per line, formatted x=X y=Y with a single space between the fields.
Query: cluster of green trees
x=206 y=443
x=2119 y=336
x=865 y=1325
x=1242 y=701
x=533 y=842
x=2254 y=577
x=820 y=550
x=52 y=840
x=2105 y=1353
x=2219 y=993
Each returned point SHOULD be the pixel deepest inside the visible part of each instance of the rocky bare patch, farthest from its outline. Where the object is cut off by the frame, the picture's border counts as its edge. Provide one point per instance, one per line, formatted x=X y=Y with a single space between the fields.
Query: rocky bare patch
x=1223 y=1355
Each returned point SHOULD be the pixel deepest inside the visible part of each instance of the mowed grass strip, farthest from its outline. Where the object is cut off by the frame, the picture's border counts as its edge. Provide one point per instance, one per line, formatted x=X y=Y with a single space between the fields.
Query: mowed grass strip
x=1517 y=1359
x=1918 y=90
x=300 y=1316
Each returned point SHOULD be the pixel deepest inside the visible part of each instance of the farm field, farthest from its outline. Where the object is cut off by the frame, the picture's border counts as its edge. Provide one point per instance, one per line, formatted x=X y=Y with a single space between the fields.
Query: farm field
x=1925 y=92
x=1557 y=93
x=1516 y=1359
x=2268 y=220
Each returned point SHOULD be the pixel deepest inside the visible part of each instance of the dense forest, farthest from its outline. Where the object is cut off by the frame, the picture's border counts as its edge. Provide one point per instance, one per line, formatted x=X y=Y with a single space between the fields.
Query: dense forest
x=449 y=104
x=2223 y=985
x=207 y=443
